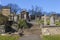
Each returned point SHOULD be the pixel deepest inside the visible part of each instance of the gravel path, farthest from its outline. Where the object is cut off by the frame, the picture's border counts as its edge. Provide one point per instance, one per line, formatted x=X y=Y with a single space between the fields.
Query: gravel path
x=30 y=37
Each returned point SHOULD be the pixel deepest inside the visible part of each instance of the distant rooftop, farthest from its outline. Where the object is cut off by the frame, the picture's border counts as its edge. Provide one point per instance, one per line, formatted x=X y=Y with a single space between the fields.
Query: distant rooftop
x=5 y=7
x=55 y=14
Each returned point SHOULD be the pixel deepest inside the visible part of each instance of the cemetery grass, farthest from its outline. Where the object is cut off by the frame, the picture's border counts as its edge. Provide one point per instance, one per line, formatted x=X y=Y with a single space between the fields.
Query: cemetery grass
x=6 y=37
x=51 y=37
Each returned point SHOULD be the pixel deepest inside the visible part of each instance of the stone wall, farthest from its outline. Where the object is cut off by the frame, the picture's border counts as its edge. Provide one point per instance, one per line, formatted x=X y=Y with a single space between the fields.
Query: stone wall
x=50 y=30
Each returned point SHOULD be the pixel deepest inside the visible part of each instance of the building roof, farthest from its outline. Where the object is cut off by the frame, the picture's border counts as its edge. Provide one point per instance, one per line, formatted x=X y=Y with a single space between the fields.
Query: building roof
x=5 y=7
x=24 y=12
x=55 y=14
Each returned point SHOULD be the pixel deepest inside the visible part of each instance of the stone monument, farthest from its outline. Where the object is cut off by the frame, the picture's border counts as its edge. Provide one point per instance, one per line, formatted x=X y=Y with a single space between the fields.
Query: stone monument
x=2 y=29
x=52 y=21
x=45 y=23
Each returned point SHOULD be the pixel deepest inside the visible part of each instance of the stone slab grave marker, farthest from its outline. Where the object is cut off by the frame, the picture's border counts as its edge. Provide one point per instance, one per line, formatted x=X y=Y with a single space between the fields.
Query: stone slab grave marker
x=45 y=22
x=2 y=30
x=52 y=21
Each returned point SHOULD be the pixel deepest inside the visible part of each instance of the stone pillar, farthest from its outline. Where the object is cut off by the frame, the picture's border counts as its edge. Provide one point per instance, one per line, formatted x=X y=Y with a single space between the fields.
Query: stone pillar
x=25 y=16
x=45 y=23
x=52 y=20
x=15 y=18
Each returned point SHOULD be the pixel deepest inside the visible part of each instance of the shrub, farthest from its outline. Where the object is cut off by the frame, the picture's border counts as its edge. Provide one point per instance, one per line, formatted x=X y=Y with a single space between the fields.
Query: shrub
x=22 y=24
x=40 y=21
x=48 y=22
x=57 y=23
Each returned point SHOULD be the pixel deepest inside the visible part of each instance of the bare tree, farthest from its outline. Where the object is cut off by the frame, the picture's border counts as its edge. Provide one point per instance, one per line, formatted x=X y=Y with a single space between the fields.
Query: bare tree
x=36 y=11
x=14 y=8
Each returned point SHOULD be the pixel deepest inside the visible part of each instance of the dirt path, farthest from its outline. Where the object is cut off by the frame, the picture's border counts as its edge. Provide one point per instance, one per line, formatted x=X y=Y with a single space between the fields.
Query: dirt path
x=33 y=33
x=30 y=37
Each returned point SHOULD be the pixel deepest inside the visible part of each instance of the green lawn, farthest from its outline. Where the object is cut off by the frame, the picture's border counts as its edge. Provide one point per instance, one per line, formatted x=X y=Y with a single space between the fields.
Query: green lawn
x=53 y=37
x=9 y=37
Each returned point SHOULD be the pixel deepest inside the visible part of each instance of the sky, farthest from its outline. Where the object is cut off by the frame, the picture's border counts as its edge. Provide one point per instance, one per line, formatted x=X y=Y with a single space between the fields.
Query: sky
x=46 y=5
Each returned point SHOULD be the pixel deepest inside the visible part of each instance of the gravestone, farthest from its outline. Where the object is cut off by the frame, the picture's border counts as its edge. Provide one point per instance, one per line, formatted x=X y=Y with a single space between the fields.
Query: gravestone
x=25 y=15
x=45 y=22
x=52 y=21
x=15 y=18
x=2 y=30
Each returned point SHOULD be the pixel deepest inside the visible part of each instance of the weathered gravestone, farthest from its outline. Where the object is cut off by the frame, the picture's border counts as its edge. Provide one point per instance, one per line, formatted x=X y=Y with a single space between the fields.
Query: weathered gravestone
x=52 y=22
x=2 y=30
x=45 y=22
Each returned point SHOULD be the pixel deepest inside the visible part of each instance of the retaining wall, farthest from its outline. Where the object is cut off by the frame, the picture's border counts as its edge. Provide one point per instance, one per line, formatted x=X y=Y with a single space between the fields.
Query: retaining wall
x=50 y=30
